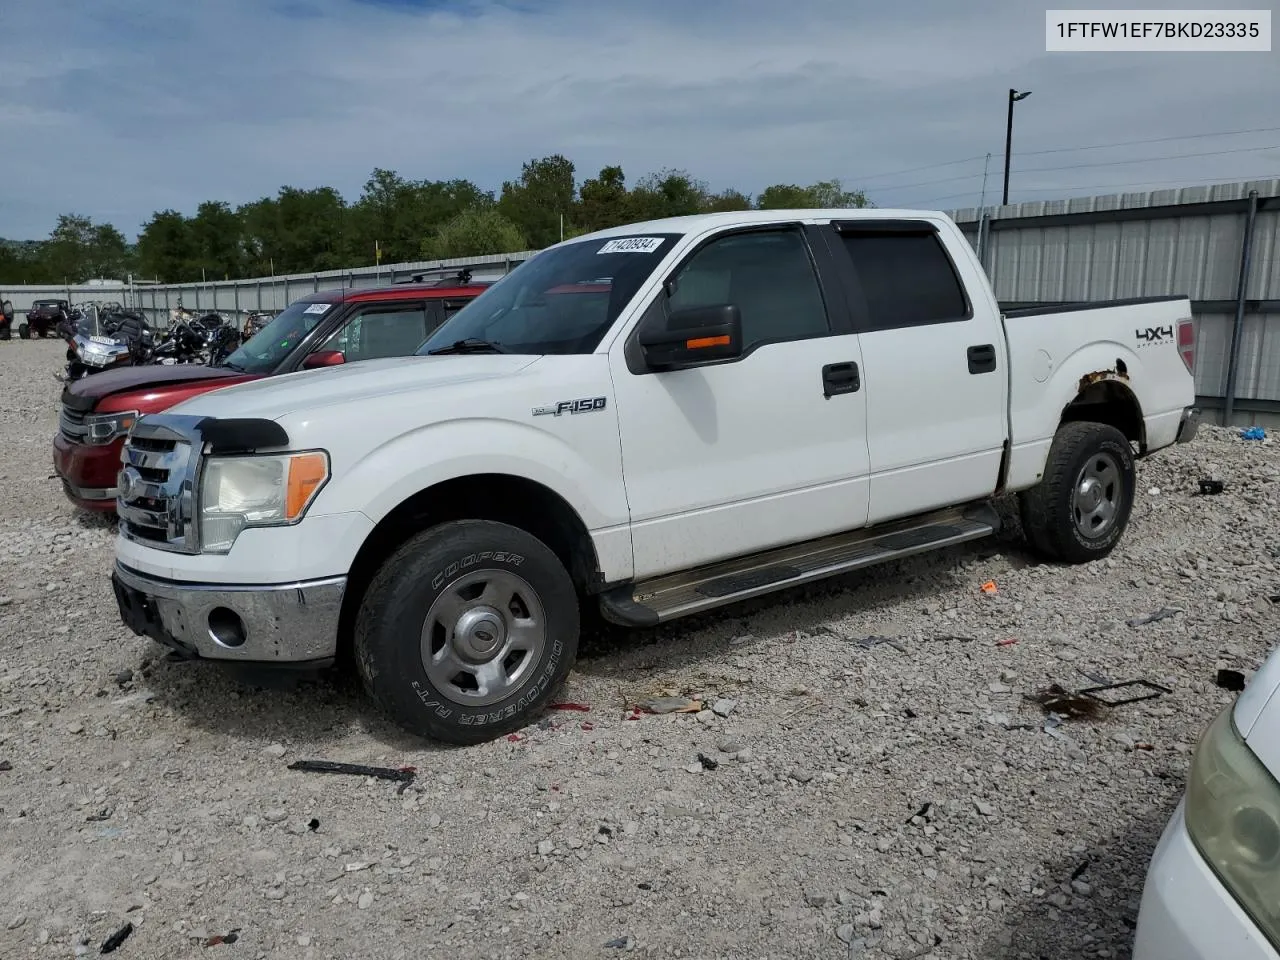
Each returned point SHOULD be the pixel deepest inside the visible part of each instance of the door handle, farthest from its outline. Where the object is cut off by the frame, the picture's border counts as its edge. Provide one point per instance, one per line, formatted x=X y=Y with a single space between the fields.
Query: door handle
x=840 y=378
x=982 y=358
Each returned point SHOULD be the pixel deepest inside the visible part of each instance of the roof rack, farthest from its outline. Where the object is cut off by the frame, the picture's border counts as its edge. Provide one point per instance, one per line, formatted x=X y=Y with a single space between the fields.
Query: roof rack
x=450 y=276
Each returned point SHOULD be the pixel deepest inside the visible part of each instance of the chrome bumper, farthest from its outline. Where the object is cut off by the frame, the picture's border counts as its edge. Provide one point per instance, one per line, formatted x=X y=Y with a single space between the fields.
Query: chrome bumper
x=278 y=623
x=1189 y=424
x=89 y=493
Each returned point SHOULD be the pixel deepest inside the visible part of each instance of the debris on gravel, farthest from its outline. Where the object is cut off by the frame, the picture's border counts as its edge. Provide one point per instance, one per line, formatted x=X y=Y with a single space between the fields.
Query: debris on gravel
x=873 y=777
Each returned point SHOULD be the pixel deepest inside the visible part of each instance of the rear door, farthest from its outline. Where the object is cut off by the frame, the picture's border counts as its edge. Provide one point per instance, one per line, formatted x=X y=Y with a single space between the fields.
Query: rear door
x=933 y=365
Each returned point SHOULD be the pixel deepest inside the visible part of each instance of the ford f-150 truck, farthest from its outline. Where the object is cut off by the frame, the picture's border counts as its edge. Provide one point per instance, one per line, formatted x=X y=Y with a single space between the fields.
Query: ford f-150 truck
x=655 y=419
x=319 y=330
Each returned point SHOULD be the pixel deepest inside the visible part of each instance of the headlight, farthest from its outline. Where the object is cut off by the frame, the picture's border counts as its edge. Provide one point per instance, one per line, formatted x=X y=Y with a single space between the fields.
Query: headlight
x=1233 y=815
x=271 y=491
x=105 y=427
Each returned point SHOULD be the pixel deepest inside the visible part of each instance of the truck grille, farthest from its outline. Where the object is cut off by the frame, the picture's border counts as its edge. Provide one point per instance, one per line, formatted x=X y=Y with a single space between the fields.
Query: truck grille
x=156 y=504
x=71 y=424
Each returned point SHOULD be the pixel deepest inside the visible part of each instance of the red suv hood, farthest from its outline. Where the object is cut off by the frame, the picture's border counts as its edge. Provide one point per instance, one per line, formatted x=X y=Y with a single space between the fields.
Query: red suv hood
x=104 y=384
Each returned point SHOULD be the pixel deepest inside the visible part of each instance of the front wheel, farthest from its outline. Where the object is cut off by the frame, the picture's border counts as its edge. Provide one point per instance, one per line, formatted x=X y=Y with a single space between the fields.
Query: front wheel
x=467 y=630
x=24 y=331
x=1081 y=506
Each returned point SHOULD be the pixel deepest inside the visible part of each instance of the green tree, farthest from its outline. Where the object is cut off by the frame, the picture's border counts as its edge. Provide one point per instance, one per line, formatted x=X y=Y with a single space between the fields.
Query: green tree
x=296 y=231
x=725 y=201
x=536 y=202
x=668 y=193
x=393 y=214
x=216 y=233
x=474 y=233
x=603 y=201
x=165 y=248
x=826 y=194
x=78 y=250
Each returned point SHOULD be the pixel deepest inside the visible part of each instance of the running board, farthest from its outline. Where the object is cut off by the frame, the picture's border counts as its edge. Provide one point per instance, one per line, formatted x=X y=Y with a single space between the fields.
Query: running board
x=665 y=598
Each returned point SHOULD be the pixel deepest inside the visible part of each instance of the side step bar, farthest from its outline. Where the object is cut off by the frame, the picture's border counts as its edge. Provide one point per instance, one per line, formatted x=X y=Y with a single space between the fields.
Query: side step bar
x=655 y=601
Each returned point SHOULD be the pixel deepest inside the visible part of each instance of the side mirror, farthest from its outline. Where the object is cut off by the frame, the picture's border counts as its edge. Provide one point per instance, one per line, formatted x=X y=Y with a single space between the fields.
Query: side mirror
x=8 y=309
x=324 y=358
x=693 y=336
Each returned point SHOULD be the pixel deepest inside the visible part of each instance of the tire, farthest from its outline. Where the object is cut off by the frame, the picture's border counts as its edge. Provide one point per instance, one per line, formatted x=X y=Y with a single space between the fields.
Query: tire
x=1095 y=461
x=453 y=567
x=24 y=331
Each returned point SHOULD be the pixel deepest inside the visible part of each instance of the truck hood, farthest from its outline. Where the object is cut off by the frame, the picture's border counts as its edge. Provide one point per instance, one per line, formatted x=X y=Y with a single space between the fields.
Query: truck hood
x=309 y=390
x=104 y=384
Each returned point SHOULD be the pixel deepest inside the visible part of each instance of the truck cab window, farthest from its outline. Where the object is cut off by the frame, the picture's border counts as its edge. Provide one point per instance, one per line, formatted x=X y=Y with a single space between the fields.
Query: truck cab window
x=769 y=277
x=907 y=279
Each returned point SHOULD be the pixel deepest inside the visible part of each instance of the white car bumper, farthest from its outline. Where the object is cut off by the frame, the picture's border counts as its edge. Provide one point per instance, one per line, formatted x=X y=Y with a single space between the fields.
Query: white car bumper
x=1186 y=912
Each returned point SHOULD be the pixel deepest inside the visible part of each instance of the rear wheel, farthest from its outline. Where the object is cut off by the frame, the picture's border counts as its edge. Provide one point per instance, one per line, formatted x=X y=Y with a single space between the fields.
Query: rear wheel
x=1081 y=506
x=467 y=630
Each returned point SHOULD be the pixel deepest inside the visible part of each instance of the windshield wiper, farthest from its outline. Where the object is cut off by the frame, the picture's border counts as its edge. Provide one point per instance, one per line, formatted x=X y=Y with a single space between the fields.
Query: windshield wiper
x=232 y=366
x=469 y=345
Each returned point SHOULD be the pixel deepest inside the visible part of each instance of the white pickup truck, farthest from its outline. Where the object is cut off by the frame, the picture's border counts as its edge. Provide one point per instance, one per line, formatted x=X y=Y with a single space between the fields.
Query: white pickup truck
x=657 y=419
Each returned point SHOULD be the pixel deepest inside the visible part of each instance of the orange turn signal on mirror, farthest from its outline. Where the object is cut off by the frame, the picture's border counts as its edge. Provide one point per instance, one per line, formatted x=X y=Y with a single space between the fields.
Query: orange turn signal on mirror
x=702 y=343
x=307 y=471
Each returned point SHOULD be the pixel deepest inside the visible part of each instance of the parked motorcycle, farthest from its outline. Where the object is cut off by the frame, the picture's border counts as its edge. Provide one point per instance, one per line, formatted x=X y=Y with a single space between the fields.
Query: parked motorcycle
x=186 y=341
x=6 y=320
x=94 y=346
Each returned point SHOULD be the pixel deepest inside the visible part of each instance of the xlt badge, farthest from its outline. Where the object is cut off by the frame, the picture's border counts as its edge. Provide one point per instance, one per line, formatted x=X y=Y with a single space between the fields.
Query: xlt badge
x=587 y=405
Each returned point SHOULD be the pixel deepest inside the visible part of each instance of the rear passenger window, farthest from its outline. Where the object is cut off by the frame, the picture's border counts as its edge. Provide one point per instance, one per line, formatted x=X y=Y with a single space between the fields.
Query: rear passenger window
x=906 y=278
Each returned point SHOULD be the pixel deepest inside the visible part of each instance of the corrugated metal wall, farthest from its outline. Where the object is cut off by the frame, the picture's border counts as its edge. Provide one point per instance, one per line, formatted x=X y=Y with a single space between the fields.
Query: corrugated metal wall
x=1167 y=242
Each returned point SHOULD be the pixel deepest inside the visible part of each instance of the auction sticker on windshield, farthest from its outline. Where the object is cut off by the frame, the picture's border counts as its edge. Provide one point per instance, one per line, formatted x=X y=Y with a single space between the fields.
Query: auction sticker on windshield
x=318 y=308
x=632 y=245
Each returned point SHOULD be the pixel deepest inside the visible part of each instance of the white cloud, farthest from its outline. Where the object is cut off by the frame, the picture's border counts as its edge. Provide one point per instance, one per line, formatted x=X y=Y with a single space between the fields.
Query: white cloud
x=121 y=107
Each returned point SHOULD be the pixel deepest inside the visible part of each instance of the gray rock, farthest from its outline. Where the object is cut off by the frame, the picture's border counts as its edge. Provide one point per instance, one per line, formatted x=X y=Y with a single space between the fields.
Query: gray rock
x=276 y=750
x=366 y=900
x=723 y=707
x=984 y=808
x=275 y=815
x=545 y=847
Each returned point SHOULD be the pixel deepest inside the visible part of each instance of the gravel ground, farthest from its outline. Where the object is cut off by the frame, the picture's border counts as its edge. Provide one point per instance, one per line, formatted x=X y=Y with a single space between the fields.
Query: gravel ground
x=894 y=800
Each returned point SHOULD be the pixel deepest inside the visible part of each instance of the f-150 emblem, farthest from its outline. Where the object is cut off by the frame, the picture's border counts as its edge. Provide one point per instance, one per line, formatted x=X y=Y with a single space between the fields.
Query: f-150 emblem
x=586 y=405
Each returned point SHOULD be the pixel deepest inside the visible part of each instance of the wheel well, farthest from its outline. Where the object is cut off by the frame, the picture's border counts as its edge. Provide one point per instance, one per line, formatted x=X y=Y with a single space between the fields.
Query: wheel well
x=1104 y=398
x=498 y=497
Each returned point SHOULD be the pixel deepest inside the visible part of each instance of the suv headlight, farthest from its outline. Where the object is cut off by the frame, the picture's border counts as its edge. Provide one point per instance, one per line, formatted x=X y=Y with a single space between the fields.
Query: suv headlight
x=256 y=491
x=105 y=427
x=1233 y=815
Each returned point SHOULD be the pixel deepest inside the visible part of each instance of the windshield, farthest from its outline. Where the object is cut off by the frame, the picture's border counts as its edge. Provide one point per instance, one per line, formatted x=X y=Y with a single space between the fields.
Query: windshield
x=269 y=347
x=561 y=301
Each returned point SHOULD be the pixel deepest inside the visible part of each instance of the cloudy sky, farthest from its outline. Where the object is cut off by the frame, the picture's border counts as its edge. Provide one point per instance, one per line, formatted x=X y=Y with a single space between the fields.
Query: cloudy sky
x=117 y=108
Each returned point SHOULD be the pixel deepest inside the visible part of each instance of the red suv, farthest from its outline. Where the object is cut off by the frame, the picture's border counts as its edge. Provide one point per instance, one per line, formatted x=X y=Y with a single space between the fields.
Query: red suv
x=324 y=329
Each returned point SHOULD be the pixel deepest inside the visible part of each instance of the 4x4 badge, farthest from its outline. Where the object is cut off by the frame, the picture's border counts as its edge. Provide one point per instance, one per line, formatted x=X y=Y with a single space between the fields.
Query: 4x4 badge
x=588 y=405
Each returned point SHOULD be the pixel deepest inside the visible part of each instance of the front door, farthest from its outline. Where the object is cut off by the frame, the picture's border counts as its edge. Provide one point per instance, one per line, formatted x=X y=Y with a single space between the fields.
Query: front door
x=729 y=458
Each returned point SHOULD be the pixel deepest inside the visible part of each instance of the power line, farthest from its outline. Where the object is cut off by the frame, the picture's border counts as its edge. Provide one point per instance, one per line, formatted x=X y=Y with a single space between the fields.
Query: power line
x=1132 y=143
x=1086 y=166
x=1094 y=146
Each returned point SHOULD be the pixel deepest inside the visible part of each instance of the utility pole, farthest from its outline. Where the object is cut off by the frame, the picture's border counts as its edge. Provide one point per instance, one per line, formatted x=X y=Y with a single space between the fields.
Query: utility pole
x=1014 y=97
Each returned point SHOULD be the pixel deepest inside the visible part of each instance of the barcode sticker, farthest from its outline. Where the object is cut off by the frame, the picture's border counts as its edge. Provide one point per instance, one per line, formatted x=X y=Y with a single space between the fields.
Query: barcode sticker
x=632 y=245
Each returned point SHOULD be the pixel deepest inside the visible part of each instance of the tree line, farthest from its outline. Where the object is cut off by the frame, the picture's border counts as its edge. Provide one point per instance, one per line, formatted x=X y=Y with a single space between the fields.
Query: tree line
x=393 y=220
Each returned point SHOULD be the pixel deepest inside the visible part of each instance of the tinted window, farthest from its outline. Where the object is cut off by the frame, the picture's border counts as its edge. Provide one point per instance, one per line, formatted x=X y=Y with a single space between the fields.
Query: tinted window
x=562 y=301
x=907 y=279
x=271 y=345
x=372 y=334
x=769 y=277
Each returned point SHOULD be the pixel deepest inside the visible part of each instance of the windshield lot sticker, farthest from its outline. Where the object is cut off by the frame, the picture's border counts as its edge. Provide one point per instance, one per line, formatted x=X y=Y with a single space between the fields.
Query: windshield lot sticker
x=632 y=245
x=318 y=308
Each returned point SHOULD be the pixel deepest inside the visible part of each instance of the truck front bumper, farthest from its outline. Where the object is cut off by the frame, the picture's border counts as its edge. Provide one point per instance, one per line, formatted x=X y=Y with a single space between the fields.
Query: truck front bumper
x=289 y=623
x=1189 y=424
